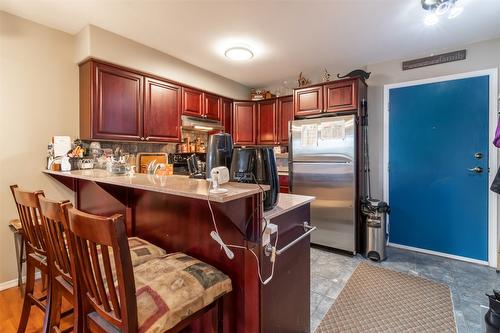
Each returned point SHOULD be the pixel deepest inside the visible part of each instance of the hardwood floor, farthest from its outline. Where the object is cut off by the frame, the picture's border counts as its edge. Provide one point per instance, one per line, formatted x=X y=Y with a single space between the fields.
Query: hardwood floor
x=11 y=302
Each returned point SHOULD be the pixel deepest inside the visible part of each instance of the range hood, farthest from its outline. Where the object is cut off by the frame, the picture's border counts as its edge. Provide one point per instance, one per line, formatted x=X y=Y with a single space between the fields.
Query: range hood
x=200 y=124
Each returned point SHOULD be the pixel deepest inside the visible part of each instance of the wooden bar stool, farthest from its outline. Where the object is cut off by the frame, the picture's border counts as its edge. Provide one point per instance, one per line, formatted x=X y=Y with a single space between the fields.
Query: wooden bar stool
x=161 y=295
x=28 y=207
x=17 y=230
x=59 y=245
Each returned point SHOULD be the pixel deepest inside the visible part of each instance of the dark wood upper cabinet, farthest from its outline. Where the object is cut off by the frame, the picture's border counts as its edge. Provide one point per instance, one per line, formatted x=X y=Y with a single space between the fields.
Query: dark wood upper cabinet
x=212 y=104
x=227 y=115
x=117 y=103
x=192 y=102
x=267 y=122
x=341 y=96
x=285 y=114
x=244 y=123
x=162 y=105
x=308 y=101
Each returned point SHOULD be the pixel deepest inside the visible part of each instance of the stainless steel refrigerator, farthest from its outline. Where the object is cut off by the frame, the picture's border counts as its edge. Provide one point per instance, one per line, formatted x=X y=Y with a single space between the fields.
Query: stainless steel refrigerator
x=322 y=163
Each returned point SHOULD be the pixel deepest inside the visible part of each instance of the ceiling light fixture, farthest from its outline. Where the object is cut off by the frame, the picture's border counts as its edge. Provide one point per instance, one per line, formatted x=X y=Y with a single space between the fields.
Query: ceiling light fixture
x=239 y=53
x=455 y=11
x=431 y=19
x=441 y=7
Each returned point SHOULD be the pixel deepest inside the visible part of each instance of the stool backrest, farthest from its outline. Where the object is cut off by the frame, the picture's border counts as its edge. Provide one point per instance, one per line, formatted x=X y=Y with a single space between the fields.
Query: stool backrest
x=107 y=282
x=54 y=215
x=28 y=207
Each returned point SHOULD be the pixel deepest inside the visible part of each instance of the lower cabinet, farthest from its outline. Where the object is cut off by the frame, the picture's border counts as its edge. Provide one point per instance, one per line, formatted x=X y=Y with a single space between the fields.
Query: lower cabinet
x=244 y=123
x=283 y=184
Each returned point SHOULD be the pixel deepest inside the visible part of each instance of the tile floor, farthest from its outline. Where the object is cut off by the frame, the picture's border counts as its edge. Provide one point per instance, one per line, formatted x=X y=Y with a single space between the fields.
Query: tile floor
x=468 y=282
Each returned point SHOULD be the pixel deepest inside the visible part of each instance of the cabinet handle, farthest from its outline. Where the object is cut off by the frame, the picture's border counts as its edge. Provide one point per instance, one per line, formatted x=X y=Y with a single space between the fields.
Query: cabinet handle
x=147 y=138
x=142 y=138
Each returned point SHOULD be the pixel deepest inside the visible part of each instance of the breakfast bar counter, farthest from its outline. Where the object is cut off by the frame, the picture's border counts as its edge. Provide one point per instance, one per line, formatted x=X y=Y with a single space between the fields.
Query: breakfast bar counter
x=174 y=212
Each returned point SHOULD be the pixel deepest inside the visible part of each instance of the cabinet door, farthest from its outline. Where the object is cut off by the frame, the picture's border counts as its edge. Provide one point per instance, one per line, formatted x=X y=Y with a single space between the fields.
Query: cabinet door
x=267 y=123
x=227 y=115
x=244 y=123
x=162 y=108
x=308 y=101
x=212 y=107
x=341 y=96
x=285 y=114
x=192 y=102
x=117 y=111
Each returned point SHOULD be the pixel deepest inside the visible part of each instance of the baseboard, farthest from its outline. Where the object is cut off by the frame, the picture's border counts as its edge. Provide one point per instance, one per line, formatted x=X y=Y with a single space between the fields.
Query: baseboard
x=440 y=254
x=13 y=283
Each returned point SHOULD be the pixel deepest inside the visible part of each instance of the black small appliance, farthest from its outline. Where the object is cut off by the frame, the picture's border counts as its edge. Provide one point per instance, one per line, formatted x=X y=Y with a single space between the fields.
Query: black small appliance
x=257 y=165
x=180 y=162
x=219 y=151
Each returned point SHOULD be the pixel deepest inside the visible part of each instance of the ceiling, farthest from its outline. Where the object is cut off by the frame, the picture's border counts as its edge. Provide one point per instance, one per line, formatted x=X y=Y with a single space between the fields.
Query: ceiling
x=286 y=36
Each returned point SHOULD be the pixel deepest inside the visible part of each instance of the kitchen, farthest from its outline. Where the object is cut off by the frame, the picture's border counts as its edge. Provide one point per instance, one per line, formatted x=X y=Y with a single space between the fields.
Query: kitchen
x=130 y=102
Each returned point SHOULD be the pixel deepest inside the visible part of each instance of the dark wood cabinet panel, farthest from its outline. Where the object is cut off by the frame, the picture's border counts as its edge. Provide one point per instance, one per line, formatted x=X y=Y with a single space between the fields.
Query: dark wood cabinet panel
x=308 y=101
x=117 y=110
x=285 y=115
x=227 y=115
x=244 y=123
x=283 y=183
x=341 y=96
x=192 y=102
x=267 y=123
x=162 y=107
x=212 y=106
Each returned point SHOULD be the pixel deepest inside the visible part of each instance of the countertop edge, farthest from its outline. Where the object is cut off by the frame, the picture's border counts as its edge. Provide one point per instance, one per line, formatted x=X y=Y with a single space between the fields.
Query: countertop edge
x=113 y=180
x=285 y=205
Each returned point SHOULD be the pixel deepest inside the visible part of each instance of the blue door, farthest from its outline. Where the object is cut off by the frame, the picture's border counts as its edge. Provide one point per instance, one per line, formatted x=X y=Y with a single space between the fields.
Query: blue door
x=438 y=134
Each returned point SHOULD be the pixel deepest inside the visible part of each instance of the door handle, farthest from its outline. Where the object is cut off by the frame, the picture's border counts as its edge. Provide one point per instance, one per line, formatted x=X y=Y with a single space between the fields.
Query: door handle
x=476 y=169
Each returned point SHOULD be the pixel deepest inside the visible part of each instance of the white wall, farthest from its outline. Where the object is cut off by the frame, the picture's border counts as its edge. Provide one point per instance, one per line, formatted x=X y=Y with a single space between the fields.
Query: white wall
x=38 y=99
x=102 y=44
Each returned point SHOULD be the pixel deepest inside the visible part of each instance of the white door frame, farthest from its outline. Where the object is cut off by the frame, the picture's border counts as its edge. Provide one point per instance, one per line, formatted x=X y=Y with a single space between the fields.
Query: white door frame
x=493 y=156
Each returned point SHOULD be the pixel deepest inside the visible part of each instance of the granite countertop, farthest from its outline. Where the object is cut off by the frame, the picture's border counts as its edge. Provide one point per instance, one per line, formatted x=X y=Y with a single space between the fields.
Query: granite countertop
x=287 y=202
x=175 y=185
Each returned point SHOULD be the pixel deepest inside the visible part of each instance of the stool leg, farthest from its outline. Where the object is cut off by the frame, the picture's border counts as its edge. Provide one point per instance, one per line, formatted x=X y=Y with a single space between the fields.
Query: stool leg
x=54 y=304
x=19 y=258
x=28 y=294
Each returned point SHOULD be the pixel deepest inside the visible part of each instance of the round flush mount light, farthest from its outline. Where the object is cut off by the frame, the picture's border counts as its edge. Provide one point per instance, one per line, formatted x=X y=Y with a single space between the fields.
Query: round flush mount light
x=436 y=8
x=431 y=19
x=238 y=53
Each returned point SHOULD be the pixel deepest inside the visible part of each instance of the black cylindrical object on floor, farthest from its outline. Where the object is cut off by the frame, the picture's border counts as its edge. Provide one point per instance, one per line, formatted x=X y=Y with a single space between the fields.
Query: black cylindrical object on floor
x=492 y=317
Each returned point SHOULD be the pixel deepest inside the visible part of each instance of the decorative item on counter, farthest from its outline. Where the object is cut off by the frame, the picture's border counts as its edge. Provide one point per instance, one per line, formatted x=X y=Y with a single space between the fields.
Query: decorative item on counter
x=302 y=81
x=50 y=156
x=85 y=163
x=77 y=152
x=356 y=73
x=61 y=145
x=65 y=164
x=326 y=76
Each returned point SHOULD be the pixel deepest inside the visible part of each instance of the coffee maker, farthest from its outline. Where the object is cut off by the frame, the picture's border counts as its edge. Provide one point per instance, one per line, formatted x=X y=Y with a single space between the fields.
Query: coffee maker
x=258 y=166
x=219 y=151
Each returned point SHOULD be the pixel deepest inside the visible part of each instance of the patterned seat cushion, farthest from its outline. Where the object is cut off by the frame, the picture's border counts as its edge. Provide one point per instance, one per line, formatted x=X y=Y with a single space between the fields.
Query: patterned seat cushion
x=173 y=287
x=142 y=251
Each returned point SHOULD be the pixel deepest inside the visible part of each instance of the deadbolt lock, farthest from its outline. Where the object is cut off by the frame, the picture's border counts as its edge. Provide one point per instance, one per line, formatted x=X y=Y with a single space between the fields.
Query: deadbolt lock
x=478 y=156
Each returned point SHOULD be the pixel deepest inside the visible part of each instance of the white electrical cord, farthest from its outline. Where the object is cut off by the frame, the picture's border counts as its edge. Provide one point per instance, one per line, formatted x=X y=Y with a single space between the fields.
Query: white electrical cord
x=216 y=236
